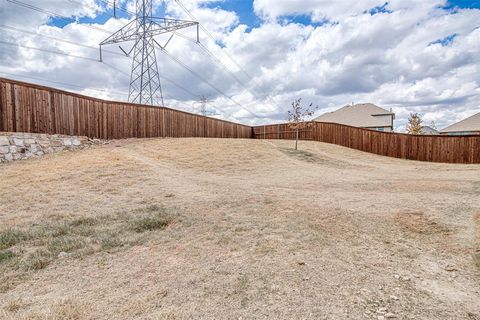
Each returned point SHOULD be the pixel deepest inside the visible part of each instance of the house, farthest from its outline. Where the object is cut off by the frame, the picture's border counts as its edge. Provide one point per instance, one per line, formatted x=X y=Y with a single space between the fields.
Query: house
x=365 y=115
x=429 y=131
x=465 y=127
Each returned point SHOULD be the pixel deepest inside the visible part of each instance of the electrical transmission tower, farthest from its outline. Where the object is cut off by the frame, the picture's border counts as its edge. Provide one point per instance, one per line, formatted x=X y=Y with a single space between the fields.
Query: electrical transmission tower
x=145 y=86
x=203 y=102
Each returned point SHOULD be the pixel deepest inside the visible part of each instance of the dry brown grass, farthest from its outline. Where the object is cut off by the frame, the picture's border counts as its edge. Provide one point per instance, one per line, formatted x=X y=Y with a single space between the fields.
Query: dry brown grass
x=34 y=246
x=476 y=253
x=64 y=309
x=223 y=229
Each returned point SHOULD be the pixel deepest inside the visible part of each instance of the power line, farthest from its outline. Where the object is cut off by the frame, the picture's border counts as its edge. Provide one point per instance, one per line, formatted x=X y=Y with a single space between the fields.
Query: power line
x=108 y=3
x=212 y=56
x=48 y=51
x=60 y=83
x=57 y=39
x=166 y=95
x=145 y=85
x=216 y=60
x=117 y=6
x=74 y=56
x=193 y=18
x=180 y=87
x=91 y=59
x=226 y=53
x=98 y=90
x=206 y=81
x=198 y=76
x=83 y=88
x=212 y=38
x=162 y=77
x=90 y=47
x=183 y=88
x=122 y=55
x=50 y=13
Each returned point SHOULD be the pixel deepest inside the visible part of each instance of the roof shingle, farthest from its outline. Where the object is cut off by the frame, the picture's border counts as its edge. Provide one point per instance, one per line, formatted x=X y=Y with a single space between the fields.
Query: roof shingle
x=365 y=115
x=467 y=125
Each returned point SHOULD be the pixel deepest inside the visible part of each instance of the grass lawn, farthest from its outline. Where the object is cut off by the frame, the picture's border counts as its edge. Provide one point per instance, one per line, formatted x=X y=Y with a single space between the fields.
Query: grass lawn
x=237 y=229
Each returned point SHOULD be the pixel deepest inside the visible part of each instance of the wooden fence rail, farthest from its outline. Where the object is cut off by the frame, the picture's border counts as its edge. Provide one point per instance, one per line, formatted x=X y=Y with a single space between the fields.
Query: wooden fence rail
x=450 y=149
x=31 y=108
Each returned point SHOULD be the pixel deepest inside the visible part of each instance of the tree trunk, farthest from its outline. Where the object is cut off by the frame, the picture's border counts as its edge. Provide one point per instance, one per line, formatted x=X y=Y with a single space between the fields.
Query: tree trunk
x=296 y=138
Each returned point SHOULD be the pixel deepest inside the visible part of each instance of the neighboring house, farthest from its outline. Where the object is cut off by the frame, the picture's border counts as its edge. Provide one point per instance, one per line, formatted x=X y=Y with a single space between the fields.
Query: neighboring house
x=365 y=115
x=429 y=131
x=465 y=127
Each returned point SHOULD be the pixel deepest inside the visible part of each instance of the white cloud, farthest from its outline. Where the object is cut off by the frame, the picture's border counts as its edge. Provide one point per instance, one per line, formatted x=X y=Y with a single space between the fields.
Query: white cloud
x=321 y=10
x=318 y=9
x=388 y=58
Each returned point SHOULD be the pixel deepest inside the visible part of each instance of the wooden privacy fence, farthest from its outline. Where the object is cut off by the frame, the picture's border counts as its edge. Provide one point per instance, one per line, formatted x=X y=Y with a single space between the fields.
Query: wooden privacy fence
x=31 y=108
x=450 y=149
x=36 y=109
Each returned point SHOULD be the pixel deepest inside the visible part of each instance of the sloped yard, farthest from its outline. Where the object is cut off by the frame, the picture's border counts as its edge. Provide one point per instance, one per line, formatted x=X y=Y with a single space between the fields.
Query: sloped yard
x=237 y=229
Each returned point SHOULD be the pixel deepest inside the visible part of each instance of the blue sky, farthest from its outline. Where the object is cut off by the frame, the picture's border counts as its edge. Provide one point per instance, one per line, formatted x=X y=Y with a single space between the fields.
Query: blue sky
x=243 y=8
x=465 y=3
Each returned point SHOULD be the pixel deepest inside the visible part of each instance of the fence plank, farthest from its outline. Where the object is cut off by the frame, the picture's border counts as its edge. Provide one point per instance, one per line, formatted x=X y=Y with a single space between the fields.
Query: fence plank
x=32 y=108
x=26 y=107
x=458 y=149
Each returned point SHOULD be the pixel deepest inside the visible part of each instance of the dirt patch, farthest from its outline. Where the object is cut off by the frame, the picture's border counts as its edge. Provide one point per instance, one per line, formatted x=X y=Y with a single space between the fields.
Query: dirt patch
x=476 y=187
x=419 y=223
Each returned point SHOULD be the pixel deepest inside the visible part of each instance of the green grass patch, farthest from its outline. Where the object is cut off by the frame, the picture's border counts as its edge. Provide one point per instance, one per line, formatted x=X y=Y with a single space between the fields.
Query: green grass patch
x=299 y=154
x=6 y=256
x=154 y=222
x=34 y=247
x=150 y=218
x=89 y=222
x=10 y=237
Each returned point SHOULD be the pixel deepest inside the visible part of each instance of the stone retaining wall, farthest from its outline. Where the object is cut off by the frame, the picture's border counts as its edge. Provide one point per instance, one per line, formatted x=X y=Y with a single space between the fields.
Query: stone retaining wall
x=18 y=146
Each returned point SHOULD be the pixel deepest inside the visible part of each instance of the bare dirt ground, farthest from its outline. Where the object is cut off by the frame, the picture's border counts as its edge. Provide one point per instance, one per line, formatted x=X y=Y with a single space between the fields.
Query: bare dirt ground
x=237 y=229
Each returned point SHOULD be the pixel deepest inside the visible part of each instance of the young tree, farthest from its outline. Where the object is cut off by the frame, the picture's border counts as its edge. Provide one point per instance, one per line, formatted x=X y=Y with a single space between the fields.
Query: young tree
x=297 y=117
x=414 y=125
x=433 y=125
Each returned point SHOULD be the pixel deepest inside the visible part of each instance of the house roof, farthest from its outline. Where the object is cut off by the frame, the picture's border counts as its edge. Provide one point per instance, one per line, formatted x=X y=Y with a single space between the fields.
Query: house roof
x=469 y=124
x=365 y=115
x=429 y=130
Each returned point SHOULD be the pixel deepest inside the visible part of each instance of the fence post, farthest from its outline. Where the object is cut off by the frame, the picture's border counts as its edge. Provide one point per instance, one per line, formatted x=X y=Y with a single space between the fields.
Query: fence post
x=163 y=123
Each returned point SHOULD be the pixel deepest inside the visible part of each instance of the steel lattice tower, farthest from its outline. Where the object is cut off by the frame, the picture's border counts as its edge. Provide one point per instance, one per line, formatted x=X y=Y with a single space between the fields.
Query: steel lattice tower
x=145 y=86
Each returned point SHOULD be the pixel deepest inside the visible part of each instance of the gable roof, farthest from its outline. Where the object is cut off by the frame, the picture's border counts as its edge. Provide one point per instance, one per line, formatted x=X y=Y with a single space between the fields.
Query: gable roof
x=365 y=115
x=429 y=130
x=470 y=124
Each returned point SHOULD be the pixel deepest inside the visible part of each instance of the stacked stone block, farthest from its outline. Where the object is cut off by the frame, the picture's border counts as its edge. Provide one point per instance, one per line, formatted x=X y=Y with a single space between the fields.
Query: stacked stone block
x=18 y=146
